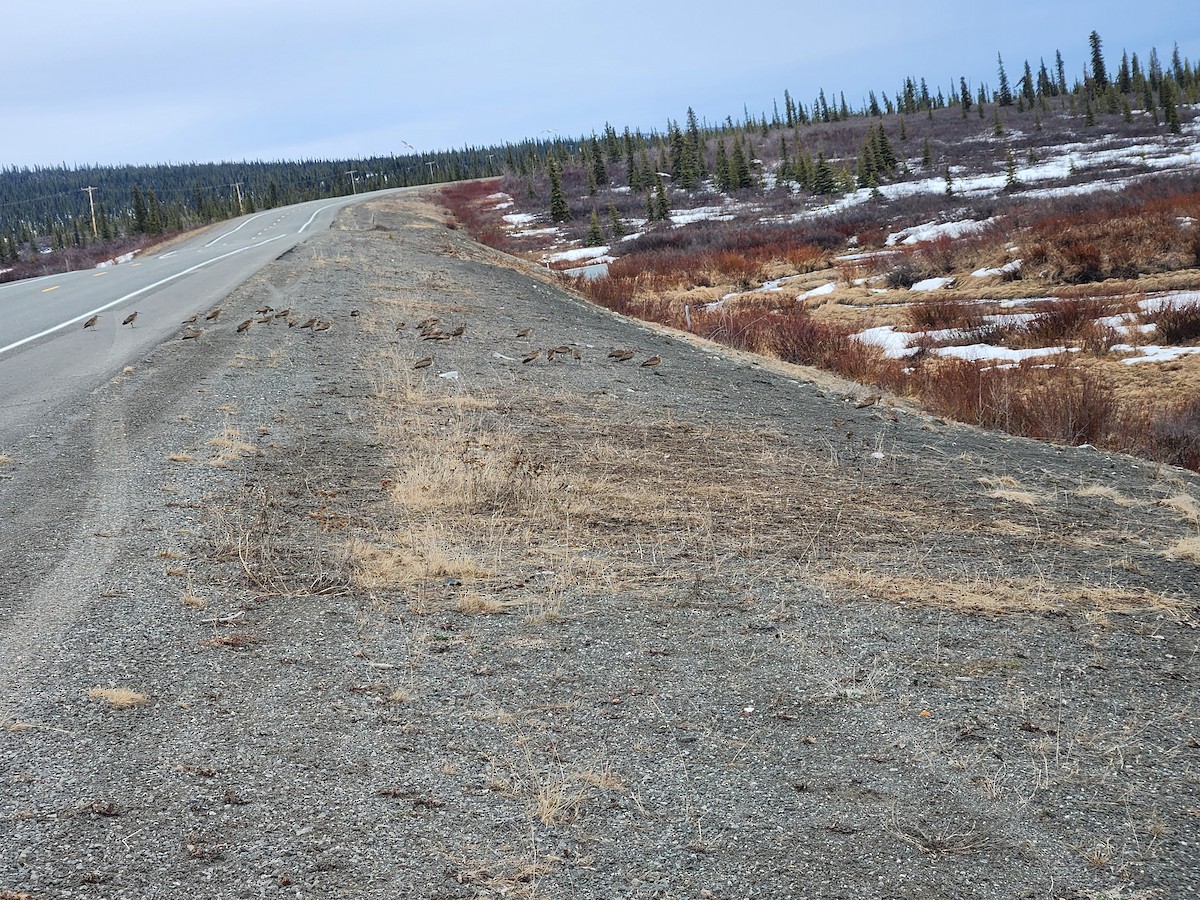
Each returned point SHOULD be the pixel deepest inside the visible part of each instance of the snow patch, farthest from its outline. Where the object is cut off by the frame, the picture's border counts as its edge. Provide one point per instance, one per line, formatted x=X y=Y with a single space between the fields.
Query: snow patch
x=932 y=284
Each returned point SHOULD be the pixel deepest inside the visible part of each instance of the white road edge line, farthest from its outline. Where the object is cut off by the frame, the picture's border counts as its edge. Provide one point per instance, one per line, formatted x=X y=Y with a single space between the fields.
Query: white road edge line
x=130 y=296
x=317 y=213
x=222 y=237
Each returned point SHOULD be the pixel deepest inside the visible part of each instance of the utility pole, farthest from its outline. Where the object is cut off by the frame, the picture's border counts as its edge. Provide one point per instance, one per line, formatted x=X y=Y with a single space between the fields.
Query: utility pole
x=353 y=190
x=431 y=165
x=92 y=203
x=238 y=185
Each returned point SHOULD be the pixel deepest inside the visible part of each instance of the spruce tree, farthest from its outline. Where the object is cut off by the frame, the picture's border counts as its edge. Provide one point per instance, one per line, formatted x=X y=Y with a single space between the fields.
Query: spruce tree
x=662 y=208
x=721 y=176
x=595 y=235
x=615 y=224
x=599 y=172
x=867 y=169
x=823 y=180
x=1004 y=96
x=1010 y=168
x=1099 y=72
x=1166 y=96
x=739 y=168
x=884 y=154
x=560 y=211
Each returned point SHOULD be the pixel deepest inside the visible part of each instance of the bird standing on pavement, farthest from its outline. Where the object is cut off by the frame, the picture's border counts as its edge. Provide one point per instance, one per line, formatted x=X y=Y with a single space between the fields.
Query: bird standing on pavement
x=621 y=355
x=652 y=362
x=91 y=323
x=129 y=318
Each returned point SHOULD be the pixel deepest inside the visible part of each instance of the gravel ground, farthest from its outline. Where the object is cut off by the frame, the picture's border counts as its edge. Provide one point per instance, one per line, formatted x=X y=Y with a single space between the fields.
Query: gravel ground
x=283 y=615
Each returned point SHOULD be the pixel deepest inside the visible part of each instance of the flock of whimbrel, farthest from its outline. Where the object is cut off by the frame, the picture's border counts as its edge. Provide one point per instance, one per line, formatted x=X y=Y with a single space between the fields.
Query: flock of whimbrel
x=429 y=329
x=266 y=315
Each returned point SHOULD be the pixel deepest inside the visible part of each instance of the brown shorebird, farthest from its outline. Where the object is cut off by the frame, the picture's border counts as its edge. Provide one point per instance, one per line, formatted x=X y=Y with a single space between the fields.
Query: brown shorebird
x=575 y=354
x=191 y=334
x=262 y=310
x=322 y=326
x=651 y=362
x=621 y=355
x=283 y=313
x=245 y=325
x=265 y=320
x=423 y=363
x=400 y=326
x=530 y=357
x=428 y=321
x=354 y=312
x=91 y=323
x=211 y=315
x=191 y=320
x=311 y=322
x=129 y=318
x=459 y=331
x=524 y=332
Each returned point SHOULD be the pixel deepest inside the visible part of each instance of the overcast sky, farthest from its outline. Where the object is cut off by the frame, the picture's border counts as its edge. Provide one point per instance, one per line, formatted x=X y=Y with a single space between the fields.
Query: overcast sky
x=147 y=81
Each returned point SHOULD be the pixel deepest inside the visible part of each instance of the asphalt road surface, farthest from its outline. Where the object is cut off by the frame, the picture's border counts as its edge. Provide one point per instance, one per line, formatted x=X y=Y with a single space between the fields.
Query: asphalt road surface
x=46 y=356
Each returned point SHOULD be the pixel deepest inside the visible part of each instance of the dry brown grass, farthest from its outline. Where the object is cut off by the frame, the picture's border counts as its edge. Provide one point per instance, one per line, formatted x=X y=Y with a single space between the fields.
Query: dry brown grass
x=410 y=559
x=1110 y=494
x=1188 y=548
x=1009 y=489
x=991 y=595
x=230 y=447
x=117 y=697
x=1184 y=504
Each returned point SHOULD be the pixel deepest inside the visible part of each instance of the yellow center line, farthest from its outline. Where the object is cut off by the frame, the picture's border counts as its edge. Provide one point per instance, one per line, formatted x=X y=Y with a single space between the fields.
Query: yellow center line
x=98 y=274
x=53 y=287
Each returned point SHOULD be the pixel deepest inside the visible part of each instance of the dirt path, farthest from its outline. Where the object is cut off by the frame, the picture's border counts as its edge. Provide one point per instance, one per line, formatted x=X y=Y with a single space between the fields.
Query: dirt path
x=315 y=622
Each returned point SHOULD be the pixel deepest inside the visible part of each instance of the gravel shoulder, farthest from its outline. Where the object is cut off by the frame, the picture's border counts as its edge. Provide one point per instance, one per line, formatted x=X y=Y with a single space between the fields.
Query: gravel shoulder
x=285 y=615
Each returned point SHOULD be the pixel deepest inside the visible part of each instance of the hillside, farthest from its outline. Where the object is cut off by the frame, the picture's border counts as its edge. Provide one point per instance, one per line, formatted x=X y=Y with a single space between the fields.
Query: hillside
x=1035 y=269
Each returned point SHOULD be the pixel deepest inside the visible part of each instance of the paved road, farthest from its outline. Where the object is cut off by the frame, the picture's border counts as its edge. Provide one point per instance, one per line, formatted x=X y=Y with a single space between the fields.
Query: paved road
x=46 y=358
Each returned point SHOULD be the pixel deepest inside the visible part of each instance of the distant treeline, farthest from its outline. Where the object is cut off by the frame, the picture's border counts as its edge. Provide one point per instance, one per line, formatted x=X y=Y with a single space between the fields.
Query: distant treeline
x=48 y=209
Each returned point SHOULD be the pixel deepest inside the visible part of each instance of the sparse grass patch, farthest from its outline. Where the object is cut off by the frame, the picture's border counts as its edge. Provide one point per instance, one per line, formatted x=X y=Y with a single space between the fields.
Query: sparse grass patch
x=1111 y=494
x=117 y=697
x=1008 y=488
x=475 y=604
x=1187 y=548
x=997 y=595
x=1184 y=504
x=230 y=447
